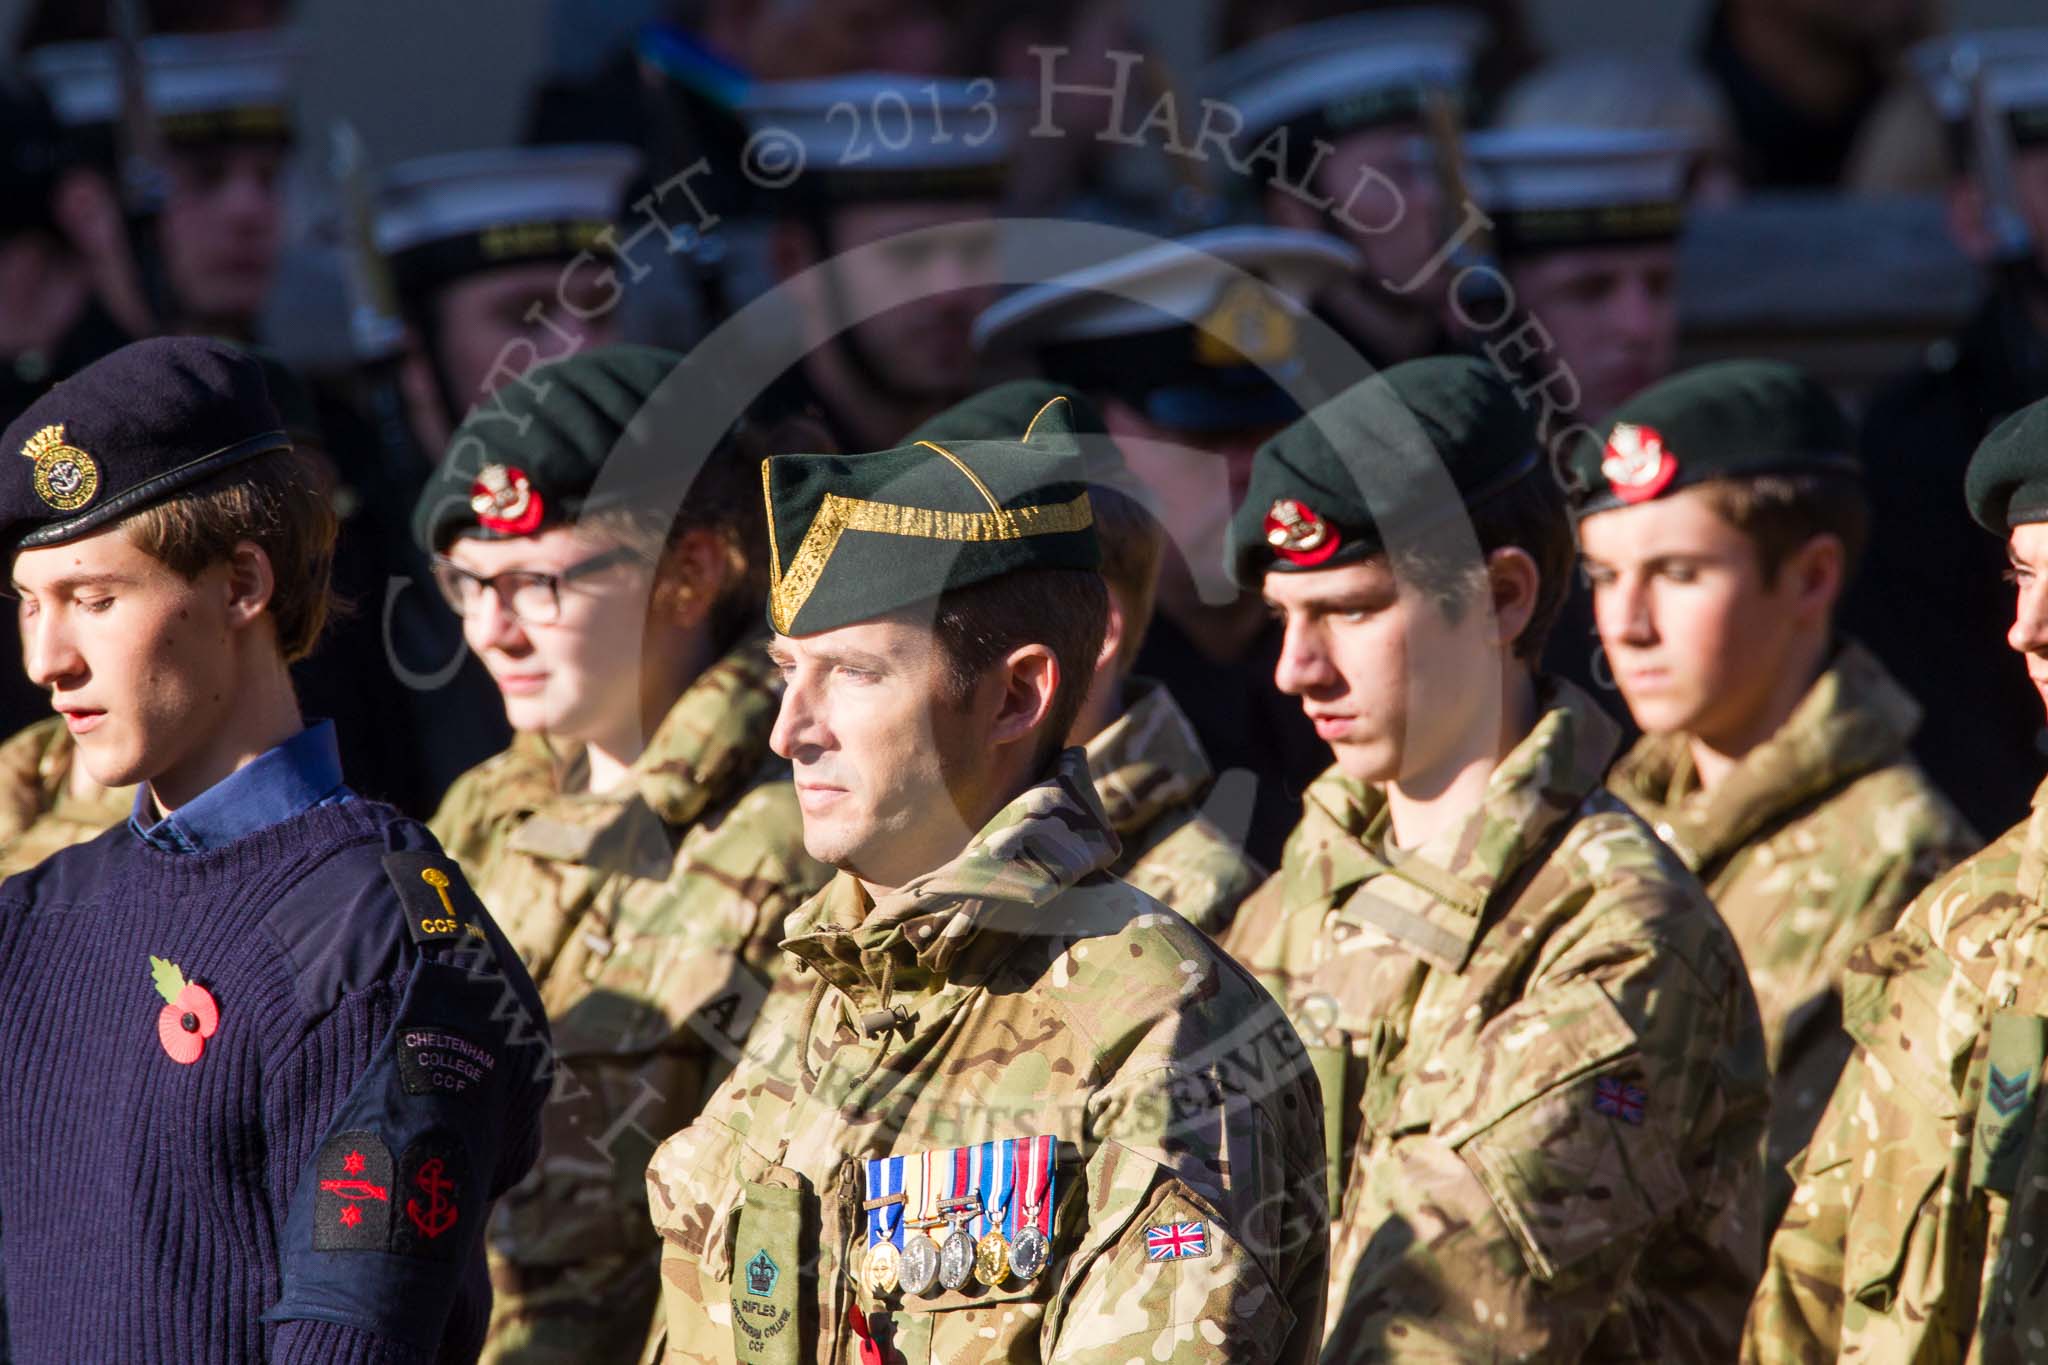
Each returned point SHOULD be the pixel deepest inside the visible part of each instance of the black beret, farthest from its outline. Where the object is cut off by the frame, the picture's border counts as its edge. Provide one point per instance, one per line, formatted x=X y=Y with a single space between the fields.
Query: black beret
x=1731 y=419
x=2007 y=481
x=1409 y=446
x=852 y=537
x=129 y=431
x=529 y=457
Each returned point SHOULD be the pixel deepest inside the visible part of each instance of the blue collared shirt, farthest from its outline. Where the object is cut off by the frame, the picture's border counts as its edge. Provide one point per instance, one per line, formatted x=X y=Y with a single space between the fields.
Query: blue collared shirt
x=297 y=775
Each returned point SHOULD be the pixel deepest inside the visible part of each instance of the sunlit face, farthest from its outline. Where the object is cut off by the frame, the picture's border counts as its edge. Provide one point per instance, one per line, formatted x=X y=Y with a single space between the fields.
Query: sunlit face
x=886 y=759
x=923 y=295
x=222 y=228
x=2027 y=548
x=1612 y=314
x=136 y=658
x=575 y=678
x=500 y=323
x=1397 y=689
x=1696 y=640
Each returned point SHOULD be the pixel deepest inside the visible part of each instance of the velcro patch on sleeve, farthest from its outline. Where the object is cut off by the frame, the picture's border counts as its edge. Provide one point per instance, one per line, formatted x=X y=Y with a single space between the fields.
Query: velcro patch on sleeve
x=436 y=897
x=353 y=1209
x=435 y=1196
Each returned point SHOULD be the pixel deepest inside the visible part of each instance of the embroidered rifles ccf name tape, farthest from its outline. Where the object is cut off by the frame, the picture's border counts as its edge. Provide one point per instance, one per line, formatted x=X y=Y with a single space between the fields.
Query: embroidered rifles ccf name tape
x=941 y=1220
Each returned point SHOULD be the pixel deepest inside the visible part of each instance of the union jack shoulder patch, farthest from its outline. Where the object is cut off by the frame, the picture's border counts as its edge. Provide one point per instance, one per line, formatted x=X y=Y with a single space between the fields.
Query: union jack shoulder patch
x=1176 y=1241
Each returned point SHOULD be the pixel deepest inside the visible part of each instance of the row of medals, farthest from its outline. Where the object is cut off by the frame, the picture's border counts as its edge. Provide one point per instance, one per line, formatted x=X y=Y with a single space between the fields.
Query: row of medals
x=922 y=1268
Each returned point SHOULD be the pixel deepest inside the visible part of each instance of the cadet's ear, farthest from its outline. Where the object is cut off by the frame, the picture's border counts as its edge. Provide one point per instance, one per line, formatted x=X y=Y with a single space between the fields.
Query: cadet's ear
x=1514 y=582
x=792 y=249
x=251 y=583
x=1966 y=223
x=1030 y=677
x=1112 y=634
x=1814 y=574
x=424 y=407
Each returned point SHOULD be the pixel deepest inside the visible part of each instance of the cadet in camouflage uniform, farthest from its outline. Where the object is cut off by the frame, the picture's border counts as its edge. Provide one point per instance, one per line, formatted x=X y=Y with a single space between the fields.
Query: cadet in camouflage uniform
x=645 y=890
x=1151 y=774
x=982 y=1004
x=1895 y=1248
x=1720 y=515
x=48 y=802
x=1542 y=1053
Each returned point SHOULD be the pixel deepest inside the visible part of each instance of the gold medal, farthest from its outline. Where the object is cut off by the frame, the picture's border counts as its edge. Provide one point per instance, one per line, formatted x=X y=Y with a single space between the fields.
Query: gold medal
x=882 y=1269
x=992 y=1260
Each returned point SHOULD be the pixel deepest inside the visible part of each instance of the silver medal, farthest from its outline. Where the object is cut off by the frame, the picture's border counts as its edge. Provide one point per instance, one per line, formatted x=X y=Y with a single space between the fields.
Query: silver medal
x=917 y=1269
x=956 y=1259
x=1029 y=1251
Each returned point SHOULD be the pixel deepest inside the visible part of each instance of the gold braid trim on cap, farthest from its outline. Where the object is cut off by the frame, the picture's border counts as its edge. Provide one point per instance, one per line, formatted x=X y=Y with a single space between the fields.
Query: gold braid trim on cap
x=787 y=592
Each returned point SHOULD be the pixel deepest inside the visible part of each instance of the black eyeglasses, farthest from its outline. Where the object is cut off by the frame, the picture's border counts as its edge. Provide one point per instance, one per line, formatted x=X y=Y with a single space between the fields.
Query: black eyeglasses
x=532 y=596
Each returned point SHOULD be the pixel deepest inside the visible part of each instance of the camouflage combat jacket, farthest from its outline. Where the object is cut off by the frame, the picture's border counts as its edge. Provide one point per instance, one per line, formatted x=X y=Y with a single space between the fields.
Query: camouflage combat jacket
x=1152 y=777
x=1810 y=846
x=648 y=916
x=1551 y=1069
x=1017 y=991
x=1916 y=1233
x=38 y=812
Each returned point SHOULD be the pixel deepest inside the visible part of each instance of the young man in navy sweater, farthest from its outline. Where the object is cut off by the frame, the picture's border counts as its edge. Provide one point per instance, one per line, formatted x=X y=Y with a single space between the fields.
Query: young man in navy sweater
x=264 y=1059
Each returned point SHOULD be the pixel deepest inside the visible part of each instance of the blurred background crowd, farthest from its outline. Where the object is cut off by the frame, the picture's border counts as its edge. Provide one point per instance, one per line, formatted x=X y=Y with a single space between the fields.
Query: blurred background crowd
x=390 y=200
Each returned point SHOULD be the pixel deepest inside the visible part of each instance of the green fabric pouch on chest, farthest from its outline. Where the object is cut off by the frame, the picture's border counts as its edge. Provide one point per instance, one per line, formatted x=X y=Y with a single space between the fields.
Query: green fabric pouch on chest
x=2005 y=1111
x=765 y=1280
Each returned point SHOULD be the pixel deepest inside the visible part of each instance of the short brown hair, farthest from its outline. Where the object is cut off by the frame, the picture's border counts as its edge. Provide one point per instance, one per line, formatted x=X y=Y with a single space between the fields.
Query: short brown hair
x=1133 y=542
x=1066 y=610
x=724 y=499
x=1781 y=512
x=279 y=502
x=1529 y=516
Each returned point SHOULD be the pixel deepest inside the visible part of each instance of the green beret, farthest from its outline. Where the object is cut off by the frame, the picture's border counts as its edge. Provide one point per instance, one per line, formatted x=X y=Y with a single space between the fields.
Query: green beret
x=1732 y=419
x=527 y=458
x=2007 y=481
x=996 y=414
x=852 y=537
x=1407 y=447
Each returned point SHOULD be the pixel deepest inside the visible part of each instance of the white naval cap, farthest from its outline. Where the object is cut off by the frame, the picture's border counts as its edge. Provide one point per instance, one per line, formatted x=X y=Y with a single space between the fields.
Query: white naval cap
x=2014 y=62
x=200 y=86
x=443 y=217
x=881 y=136
x=1341 y=75
x=1559 y=187
x=1198 y=333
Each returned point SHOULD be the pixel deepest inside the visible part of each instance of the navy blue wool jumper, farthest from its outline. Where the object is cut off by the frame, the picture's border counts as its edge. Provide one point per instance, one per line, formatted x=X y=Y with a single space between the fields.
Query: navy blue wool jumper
x=312 y=1186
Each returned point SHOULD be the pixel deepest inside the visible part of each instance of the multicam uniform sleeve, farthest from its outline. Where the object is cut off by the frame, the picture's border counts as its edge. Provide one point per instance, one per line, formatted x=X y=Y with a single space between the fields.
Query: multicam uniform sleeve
x=1865 y=1261
x=574 y=1259
x=1204 y=1235
x=1601 y=1160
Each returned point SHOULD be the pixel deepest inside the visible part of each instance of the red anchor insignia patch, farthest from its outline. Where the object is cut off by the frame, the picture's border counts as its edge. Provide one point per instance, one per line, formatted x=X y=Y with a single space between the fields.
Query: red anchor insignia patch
x=1638 y=465
x=1298 y=534
x=505 y=501
x=189 y=1016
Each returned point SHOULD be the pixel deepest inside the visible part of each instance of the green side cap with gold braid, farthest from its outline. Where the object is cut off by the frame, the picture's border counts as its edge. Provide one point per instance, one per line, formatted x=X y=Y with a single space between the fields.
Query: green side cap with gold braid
x=854 y=537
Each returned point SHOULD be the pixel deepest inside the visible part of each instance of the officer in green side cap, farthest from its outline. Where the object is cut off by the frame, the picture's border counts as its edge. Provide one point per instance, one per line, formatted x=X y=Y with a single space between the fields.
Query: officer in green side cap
x=638 y=842
x=1015 y=1108
x=1931 y=1139
x=1544 y=1072
x=1151 y=773
x=1720 y=515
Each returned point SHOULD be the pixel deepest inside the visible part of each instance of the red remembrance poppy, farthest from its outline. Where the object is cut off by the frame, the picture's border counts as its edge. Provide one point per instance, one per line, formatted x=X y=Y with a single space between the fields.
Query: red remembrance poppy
x=185 y=1023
